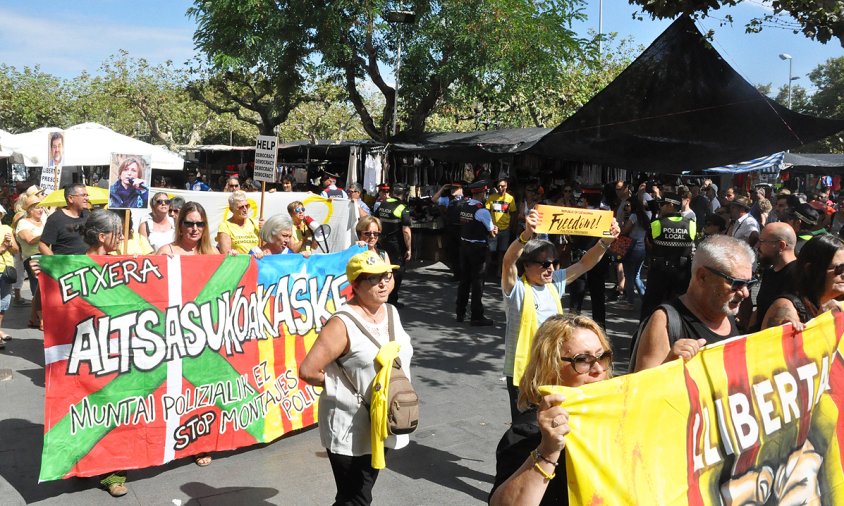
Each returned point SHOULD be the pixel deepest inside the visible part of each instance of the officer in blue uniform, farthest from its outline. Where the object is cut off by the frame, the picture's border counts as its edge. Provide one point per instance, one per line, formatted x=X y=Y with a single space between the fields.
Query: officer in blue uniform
x=329 y=187
x=476 y=228
x=671 y=239
x=395 y=235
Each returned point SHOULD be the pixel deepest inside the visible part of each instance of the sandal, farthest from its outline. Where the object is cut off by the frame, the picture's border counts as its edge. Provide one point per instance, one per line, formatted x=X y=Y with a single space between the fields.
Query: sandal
x=117 y=490
x=202 y=460
x=5 y=338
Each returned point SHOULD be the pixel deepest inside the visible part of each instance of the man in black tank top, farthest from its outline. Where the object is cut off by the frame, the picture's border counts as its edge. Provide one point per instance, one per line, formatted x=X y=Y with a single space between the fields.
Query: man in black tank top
x=722 y=274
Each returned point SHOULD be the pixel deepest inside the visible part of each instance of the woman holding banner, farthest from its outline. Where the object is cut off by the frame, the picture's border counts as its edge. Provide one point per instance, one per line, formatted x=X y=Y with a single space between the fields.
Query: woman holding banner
x=570 y=351
x=192 y=237
x=276 y=234
x=239 y=234
x=532 y=287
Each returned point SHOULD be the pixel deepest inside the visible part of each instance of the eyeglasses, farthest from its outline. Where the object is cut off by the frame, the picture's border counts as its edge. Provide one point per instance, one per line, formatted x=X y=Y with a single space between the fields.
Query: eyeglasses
x=354 y=191
x=583 y=362
x=192 y=224
x=174 y=211
x=837 y=269
x=735 y=284
x=298 y=209
x=83 y=195
x=243 y=206
x=547 y=263
x=161 y=202
x=375 y=279
x=371 y=234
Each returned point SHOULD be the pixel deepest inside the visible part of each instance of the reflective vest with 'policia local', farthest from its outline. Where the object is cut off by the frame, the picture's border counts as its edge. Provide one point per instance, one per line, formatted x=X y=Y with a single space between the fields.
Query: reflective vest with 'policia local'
x=390 y=213
x=673 y=235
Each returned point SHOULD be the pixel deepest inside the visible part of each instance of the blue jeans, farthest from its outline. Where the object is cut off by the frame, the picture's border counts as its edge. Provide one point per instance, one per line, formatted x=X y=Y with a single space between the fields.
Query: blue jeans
x=632 y=264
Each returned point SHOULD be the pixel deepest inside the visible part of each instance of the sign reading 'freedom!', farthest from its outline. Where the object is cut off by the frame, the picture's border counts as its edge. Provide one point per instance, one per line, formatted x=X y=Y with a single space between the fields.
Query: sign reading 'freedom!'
x=574 y=221
x=151 y=359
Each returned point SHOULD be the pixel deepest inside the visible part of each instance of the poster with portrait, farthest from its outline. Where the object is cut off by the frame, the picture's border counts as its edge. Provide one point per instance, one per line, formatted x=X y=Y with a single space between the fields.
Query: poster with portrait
x=51 y=173
x=129 y=181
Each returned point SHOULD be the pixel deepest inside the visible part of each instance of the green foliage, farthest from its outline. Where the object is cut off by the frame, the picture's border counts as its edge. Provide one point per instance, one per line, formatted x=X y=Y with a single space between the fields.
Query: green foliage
x=828 y=100
x=30 y=99
x=822 y=20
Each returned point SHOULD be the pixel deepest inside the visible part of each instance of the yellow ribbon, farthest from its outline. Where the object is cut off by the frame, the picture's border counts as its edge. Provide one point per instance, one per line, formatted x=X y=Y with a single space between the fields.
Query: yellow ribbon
x=527 y=328
x=378 y=406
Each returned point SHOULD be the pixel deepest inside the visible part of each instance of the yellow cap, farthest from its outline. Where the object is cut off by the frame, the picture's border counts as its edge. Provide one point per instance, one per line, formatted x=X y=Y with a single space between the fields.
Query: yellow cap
x=368 y=262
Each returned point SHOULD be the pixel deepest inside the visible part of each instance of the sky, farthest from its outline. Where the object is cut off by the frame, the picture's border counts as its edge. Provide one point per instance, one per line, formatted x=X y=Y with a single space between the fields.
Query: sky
x=65 y=38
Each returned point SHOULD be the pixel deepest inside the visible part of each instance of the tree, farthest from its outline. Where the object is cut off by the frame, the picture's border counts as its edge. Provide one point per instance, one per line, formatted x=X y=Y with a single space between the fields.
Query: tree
x=827 y=102
x=31 y=99
x=821 y=20
x=324 y=114
x=800 y=98
x=257 y=56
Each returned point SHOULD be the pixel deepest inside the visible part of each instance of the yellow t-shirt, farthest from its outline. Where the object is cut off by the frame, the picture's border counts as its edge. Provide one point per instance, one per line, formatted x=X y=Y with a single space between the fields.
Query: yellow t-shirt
x=6 y=259
x=501 y=207
x=243 y=238
x=137 y=245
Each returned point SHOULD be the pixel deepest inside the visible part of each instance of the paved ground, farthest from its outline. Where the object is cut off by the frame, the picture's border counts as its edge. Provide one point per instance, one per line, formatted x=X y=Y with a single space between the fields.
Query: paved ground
x=451 y=459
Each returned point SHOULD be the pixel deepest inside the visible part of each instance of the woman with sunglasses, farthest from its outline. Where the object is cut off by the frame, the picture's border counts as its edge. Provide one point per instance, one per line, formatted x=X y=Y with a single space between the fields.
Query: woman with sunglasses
x=342 y=361
x=532 y=286
x=819 y=280
x=530 y=469
x=369 y=231
x=159 y=227
x=303 y=236
x=355 y=191
x=192 y=237
x=238 y=235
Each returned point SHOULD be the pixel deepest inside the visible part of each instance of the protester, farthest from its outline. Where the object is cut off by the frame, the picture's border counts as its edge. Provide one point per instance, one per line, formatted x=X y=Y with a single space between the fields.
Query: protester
x=819 y=280
x=61 y=234
x=158 y=227
x=303 y=237
x=714 y=225
x=745 y=226
x=8 y=250
x=503 y=209
x=530 y=467
x=532 y=289
x=368 y=230
x=129 y=190
x=775 y=252
x=722 y=272
x=192 y=237
x=136 y=244
x=232 y=184
x=276 y=235
x=175 y=206
x=354 y=192
x=634 y=228
x=286 y=184
x=238 y=235
x=342 y=361
x=195 y=183
x=28 y=233
x=594 y=281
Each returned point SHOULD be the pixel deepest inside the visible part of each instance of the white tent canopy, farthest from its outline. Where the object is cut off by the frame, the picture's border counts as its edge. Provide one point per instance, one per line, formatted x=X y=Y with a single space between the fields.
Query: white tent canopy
x=89 y=144
x=5 y=137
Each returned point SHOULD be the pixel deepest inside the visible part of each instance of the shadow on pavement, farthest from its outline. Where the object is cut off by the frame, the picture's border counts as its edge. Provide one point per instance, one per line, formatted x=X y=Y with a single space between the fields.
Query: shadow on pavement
x=439 y=467
x=202 y=493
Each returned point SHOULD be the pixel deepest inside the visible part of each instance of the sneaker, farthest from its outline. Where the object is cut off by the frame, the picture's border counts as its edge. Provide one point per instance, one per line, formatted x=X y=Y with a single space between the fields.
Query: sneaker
x=482 y=322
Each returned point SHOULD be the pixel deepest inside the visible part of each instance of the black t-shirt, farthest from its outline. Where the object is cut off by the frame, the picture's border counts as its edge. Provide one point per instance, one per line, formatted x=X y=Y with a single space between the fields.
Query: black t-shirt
x=774 y=285
x=64 y=234
x=515 y=447
x=693 y=328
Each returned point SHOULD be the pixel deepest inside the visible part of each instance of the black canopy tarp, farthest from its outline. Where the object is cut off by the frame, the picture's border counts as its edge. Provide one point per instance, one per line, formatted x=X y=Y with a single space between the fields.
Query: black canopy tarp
x=815 y=163
x=680 y=106
x=482 y=145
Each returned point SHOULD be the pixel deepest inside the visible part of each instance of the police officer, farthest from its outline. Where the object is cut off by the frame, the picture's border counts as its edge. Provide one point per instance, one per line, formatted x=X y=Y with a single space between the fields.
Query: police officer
x=804 y=220
x=475 y=230
x=671 y=242
x=452 y=227
x=395 y=235
x=329 y=187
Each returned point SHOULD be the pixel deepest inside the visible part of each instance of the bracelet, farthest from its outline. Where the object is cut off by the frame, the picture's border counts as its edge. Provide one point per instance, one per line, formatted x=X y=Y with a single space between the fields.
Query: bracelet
x=603 y=245
x=543 y=457
x=548 y=476
x=522 y=241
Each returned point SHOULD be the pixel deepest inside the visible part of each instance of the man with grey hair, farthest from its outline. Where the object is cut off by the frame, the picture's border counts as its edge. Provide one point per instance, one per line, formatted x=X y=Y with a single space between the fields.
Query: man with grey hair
x=355 y=191
x=722 y=275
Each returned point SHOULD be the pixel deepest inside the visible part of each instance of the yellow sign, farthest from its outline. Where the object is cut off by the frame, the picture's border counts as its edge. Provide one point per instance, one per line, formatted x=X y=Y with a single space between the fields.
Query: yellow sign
x=574 y=221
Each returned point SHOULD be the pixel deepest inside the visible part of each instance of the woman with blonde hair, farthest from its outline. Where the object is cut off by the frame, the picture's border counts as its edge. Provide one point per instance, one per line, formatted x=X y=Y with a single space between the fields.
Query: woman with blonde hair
x=303 y=236
x=192 y=237
x=570 y=351
x=28 y=233
x=239 y=234
x=158 y=227
x=369 y=231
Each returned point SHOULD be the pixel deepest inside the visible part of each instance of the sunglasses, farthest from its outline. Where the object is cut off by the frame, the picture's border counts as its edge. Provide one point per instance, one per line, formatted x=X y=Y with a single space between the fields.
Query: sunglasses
x=371 y=234
x=375 y=279
x=192 y=224
x=837 y=269
x=244 y=206
x=583 y=362
x=298 y=209
x=162 y=202
x=354 y=191
x=735 y=284
x=547 y=263
x=174 y=211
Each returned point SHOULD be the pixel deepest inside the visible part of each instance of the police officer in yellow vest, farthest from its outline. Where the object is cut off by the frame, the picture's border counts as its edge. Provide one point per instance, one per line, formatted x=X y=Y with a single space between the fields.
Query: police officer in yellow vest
x=671 y=242
x=395 y=234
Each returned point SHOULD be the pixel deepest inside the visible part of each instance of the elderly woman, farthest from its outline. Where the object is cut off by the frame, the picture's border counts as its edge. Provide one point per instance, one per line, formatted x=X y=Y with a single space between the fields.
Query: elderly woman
x=303 y=236
x=239 y=233
x=530 y=280
x=819 y=280
x=28 y=233
x=342 y=361
x=175 y=206
x=277 y=234
x=570 y=351
x=369 y=231
x=355 y=191
x=159 y=227
x=129 y=191
x=192 y=237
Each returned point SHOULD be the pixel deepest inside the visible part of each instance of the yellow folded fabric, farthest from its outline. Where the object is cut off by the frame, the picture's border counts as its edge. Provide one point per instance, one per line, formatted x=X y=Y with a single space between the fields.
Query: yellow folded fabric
x=378 y=405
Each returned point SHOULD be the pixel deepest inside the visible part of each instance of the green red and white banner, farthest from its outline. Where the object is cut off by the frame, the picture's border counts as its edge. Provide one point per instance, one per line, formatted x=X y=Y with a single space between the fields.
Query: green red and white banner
x=153 y=358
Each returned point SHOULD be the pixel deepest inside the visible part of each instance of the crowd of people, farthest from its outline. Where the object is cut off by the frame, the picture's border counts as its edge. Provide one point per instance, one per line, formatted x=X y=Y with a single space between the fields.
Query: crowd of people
x=702 y=251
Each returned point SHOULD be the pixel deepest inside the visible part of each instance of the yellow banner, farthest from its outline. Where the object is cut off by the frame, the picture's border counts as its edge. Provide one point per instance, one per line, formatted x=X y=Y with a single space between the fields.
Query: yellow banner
x=574 y=221
x=753 y=421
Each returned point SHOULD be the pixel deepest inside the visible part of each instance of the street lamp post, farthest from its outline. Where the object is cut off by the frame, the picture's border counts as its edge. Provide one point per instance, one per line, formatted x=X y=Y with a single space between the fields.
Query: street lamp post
x=600 y=27
x=786 y=56
x=406 y=17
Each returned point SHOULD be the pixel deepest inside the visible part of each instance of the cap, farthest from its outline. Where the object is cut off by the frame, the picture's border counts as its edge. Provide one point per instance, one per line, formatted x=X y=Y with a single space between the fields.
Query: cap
x=741 y=202
x=671 y=198
x=368 y=262
x=399 y=188
x=806 y=214
x=479 y=186
x=384 y=187
x=326 y=175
